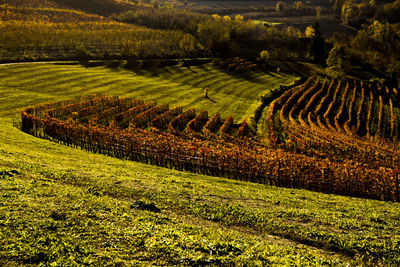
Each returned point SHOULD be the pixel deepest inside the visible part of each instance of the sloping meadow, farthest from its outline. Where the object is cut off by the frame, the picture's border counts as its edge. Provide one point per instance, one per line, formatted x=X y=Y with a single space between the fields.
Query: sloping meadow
x=46 y=187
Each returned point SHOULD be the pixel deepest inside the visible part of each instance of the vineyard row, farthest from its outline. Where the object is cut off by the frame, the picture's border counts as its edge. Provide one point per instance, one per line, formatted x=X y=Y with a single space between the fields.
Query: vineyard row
x=237 y=158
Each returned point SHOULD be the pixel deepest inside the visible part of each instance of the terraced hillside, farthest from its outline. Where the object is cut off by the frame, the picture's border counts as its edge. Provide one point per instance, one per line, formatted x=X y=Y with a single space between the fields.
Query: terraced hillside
x=66 y=206
x=342 y=120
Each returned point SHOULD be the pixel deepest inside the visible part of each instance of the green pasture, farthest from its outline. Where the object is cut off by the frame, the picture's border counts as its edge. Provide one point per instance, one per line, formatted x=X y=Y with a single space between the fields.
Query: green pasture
x=65 y=206
x=229 y=93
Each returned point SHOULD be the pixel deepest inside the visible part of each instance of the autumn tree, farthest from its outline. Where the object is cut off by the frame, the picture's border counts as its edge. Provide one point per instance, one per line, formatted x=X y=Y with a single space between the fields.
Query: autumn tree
x=280 y=7
x=317 y=43
x=318 y=11
x=338 y=61
x=264 y=56
x=298 y=5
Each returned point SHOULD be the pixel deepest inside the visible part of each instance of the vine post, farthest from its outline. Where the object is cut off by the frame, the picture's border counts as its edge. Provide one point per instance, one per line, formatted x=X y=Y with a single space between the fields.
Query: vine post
x=397 y=186
x=237 y=166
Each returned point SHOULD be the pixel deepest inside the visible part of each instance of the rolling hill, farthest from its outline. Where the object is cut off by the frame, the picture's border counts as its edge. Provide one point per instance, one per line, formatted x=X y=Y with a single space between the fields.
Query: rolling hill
x=63 y=206
x=173 y=85
x=99 y=7
x=64 y=202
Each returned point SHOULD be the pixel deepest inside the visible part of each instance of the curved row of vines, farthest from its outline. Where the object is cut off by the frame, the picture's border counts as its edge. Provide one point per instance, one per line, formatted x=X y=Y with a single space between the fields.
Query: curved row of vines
x=339 y=121
x=196 y=142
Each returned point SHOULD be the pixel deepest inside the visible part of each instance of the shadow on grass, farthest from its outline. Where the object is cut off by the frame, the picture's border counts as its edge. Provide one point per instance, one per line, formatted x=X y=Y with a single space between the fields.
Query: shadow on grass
x=207 y=97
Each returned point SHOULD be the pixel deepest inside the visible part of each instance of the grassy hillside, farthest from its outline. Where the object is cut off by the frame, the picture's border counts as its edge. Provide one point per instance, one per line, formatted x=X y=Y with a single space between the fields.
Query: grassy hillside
x=63 y=205
x=68 y=205
x=236 y=95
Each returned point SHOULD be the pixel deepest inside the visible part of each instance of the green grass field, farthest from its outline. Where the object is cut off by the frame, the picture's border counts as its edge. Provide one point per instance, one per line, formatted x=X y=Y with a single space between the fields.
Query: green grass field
x=237 y=95
x=64 y=206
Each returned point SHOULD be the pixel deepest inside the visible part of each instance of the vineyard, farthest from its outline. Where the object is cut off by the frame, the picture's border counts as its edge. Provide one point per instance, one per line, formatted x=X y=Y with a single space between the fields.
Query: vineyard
x=197 y=133
x=100 y=7
x=32 y=34
x=54 y=15
x=339 y=120
x=196 y=142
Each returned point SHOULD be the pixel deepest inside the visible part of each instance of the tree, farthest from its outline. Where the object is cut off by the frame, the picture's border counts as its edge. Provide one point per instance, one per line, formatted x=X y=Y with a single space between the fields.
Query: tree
x=239 y=17
x=338 y=61
x=227 y=18
x=216 y=16
x=81 y=53
x=264 y=56
x=348 y=12
x=318 y=10
x=309 y=32
x=214 y=36
x=155 y=3
x=298 y=5
x=293 y=32
x=280 y=7
x=187 y=44
x=318 y=44
x=338 y=5
x=393 y=71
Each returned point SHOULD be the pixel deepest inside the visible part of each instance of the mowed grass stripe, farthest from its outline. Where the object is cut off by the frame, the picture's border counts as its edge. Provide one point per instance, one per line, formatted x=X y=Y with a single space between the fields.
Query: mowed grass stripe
x=11 y=104
x=146 y=91
x=194 y=73
x=45 y=79
x=234 y=94
x=75 y=79
x=50 y=79
x=153 y=84
x=143 y=87
x=212 y=76
x=88 y=82
x=69 y=81
x=237 y=89
x=23 y=69
x=26 y=76
x=211 y=82
x=56 y=71
x=193 y=78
